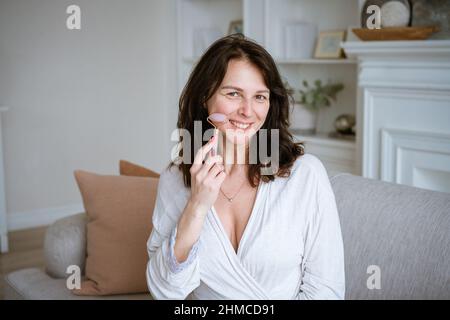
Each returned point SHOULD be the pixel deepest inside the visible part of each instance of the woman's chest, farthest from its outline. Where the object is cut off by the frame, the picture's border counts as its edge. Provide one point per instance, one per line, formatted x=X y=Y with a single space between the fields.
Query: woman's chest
x=272 y=236
x=234 y=215
x=270 y=252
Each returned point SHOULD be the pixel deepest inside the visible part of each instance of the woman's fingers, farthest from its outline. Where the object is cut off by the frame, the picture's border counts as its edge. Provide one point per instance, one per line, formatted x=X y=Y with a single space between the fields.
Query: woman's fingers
x=201 y=154
x=215 y=170
x=220 y=178
x=216 y=175
x=209 y=163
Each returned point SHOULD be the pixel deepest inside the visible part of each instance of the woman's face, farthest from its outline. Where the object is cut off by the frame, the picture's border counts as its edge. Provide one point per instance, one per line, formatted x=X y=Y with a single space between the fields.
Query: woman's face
x=244 y=97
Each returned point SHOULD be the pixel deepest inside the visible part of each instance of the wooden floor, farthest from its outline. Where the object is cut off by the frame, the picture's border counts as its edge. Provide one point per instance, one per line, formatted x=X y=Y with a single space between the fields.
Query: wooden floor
x=25 y=251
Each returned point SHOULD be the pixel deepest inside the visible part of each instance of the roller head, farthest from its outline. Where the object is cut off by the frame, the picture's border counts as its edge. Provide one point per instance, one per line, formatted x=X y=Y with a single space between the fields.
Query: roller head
x=217 y=118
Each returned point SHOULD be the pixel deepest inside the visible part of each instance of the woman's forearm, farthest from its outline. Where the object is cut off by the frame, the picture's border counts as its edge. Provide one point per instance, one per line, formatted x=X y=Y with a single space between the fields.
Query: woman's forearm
x=188 y=230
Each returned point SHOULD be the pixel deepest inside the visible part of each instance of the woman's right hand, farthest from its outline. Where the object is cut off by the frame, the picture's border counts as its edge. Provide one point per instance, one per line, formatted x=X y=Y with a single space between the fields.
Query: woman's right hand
x=206 y=178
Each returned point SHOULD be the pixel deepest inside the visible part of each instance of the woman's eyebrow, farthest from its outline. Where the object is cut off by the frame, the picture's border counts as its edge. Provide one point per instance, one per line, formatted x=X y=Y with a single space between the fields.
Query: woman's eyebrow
x=239 y=89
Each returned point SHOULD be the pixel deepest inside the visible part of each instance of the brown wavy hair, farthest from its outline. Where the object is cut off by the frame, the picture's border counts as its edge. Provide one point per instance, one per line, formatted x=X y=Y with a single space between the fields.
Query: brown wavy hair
x=206 y=78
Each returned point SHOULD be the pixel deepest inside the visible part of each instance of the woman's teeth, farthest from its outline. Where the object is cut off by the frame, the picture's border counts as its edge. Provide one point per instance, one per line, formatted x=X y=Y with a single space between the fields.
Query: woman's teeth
x=240 y=125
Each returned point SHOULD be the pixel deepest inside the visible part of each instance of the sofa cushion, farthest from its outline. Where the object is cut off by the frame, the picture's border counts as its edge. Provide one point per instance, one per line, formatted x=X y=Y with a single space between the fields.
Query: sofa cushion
x=127 y=168
x=398 y=232
x=119 y=210
x=35 y=284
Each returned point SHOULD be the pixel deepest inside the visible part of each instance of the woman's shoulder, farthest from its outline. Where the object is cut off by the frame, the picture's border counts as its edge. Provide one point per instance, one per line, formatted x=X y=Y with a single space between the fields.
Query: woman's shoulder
x=171 y=175
x=309 y=163
x=171 y=181
x=306 y=169
x=171 y=199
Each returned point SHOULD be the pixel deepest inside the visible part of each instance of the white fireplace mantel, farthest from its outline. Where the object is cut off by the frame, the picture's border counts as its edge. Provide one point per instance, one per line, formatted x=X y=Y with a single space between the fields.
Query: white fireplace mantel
x=403 y=49
x=403 y=111
x=397 y=63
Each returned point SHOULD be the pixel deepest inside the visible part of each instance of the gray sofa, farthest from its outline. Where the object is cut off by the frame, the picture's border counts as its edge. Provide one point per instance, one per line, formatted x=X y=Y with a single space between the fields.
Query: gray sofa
x=403 y=231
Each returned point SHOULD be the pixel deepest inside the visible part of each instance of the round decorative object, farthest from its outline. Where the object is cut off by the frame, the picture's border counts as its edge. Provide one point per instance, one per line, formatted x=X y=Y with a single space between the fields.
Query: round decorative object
x=394 y=13
x=344 y=124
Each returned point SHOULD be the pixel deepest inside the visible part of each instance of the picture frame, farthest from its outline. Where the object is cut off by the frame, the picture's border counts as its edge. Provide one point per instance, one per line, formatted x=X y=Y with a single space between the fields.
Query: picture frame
x=328 y=45
x=236 y=26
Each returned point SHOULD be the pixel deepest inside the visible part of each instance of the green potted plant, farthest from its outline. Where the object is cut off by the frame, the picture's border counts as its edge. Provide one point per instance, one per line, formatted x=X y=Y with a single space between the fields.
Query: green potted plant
x=311 y=100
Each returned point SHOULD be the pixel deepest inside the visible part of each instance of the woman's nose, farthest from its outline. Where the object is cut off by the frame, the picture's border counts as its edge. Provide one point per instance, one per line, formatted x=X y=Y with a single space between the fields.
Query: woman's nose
x=246 y=108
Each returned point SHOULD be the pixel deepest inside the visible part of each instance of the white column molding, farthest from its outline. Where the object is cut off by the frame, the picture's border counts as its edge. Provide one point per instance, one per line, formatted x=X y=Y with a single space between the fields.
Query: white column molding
x=412 y=157
x=3 y=218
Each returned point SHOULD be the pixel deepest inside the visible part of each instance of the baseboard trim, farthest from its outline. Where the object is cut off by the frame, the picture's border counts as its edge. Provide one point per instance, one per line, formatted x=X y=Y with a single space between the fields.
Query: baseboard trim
x=40 y=217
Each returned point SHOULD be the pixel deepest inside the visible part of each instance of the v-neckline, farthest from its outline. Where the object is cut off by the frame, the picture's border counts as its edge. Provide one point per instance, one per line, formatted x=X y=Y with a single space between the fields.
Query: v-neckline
x=247 y=227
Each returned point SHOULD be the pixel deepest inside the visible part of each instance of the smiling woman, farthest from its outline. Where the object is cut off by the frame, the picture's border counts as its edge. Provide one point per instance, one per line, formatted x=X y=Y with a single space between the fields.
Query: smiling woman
x=238 y=77
x=228 y=230
x=243 y=101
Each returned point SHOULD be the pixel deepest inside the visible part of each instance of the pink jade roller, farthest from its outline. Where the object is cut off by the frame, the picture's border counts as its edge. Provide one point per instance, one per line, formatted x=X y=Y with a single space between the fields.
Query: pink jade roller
x=216 y=119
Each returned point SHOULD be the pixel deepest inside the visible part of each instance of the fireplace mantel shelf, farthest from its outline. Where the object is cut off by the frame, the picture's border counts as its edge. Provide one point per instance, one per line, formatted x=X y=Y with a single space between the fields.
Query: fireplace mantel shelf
x=413 y=65
x=429 y=49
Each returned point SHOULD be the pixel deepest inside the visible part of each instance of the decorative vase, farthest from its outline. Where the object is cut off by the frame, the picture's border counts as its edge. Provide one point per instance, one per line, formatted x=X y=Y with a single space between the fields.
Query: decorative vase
x=303 y=120
x=345 y=123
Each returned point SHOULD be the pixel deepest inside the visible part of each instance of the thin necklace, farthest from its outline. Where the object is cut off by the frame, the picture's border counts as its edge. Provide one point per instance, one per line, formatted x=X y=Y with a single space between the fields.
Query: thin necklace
x=230 y=199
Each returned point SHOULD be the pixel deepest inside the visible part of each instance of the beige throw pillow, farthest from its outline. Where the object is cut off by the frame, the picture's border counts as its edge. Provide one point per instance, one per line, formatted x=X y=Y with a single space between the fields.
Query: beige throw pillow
x=127 y=168
x=119 y=210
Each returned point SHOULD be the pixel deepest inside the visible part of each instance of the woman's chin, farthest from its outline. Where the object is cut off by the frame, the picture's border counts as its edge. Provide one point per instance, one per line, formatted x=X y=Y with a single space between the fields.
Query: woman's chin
x=238 y=140
x=239 y=137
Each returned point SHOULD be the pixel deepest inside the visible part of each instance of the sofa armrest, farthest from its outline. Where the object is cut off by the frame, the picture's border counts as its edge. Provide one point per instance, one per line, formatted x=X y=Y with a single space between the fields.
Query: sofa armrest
x=65 y=245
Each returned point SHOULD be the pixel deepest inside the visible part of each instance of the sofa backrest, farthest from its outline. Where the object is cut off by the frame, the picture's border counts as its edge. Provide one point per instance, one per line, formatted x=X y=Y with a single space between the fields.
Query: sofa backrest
x=403 y=232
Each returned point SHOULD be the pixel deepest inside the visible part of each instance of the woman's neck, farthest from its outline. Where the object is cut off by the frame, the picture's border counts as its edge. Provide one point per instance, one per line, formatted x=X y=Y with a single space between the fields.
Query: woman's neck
x=235 y=158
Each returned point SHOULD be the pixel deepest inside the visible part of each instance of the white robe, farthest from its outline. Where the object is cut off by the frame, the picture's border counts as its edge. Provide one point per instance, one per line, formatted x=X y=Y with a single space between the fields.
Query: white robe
x=291 y=247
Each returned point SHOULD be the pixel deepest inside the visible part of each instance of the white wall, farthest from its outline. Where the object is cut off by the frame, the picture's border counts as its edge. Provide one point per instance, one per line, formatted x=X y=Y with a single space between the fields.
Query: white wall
x=82 y=99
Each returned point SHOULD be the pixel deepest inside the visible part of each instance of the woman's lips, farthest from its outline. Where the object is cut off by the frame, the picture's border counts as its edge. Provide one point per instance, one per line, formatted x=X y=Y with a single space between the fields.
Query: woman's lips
x=241 y=125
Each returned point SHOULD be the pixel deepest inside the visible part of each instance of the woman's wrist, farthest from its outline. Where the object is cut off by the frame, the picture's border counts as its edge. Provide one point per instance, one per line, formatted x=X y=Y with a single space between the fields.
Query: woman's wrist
x=196 y=209
x=189 y=229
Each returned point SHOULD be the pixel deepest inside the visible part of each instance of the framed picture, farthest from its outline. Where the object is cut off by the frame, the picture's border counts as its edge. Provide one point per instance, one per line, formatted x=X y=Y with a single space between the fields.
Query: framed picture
x=236 y=26
x=329 y=45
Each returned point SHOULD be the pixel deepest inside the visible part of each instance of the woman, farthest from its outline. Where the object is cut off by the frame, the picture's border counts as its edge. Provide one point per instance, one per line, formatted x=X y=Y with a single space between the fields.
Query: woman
x=224 y=230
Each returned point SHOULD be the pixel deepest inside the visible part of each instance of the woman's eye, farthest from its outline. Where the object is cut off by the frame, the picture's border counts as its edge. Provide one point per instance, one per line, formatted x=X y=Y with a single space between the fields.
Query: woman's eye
x=261 y=97
x=232 y=94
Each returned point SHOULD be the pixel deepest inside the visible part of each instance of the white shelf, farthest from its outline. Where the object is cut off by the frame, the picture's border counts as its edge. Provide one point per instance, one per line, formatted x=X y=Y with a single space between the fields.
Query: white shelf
x=337 y=155
x=323 y=139
x=316 y=61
